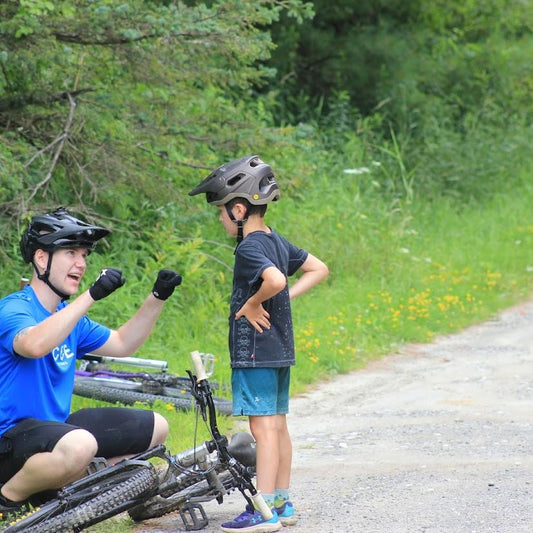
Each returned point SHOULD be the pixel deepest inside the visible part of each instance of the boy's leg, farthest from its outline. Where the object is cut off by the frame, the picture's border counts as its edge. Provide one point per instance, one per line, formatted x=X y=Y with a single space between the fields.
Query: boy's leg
x=265 y=432
x=274 y=452
x=283 y=478
x=282 y=502
x=254 y=395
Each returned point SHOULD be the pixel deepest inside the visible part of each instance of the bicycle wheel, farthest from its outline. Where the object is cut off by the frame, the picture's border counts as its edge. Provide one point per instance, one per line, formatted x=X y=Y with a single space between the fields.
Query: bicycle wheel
x=100 y=390
x=158 y=506
x=90 y=501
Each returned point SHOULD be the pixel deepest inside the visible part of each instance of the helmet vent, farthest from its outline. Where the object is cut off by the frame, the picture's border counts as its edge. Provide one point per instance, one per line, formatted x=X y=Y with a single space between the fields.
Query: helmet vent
x=235 y=179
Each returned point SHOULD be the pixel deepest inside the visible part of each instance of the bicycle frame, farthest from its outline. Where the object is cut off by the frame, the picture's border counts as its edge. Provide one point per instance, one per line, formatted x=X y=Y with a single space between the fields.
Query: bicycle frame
x=155 y=364
x=206 y=464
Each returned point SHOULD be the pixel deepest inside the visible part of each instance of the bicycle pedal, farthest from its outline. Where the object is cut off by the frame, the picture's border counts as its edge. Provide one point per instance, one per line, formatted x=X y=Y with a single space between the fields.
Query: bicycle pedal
x=193 y=516
x=97 y=464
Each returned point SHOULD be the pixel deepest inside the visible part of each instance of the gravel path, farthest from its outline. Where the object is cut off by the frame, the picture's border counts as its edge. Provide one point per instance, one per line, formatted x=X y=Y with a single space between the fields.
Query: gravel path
x=435 y=439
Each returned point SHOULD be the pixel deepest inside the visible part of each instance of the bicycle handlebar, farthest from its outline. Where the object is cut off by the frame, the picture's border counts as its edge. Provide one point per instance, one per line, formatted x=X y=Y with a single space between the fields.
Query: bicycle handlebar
x=199 y=369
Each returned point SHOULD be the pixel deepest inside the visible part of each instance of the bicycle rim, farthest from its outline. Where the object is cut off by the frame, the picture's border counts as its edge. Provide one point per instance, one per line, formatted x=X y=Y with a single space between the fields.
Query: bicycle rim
x=96 y=502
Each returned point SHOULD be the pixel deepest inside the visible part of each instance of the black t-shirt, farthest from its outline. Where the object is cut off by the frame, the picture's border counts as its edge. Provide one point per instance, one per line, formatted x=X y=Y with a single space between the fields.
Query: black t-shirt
x=275 y=346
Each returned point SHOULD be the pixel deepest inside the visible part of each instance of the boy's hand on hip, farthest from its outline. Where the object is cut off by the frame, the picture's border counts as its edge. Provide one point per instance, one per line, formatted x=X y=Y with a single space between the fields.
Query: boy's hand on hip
x=166 y=282
x=108 y=281
x=256 y=315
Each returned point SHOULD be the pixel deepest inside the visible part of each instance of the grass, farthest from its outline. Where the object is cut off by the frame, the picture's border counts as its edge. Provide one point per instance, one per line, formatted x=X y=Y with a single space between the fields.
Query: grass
x=437 y=273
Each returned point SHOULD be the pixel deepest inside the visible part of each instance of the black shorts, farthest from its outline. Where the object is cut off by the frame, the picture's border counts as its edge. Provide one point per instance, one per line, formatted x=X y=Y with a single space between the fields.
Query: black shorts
x=118 y=431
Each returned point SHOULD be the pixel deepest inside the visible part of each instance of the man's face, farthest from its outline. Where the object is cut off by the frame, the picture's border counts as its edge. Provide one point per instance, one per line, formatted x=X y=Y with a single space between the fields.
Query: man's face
x=67 y=269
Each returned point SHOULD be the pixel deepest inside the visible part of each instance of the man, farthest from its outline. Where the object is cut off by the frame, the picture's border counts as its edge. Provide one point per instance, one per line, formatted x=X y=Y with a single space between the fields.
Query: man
x=42 y=445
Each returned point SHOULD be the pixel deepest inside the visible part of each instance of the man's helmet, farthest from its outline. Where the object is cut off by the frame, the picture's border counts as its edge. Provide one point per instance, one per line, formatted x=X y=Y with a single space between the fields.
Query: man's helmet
x=58 y=230
x=247 y=177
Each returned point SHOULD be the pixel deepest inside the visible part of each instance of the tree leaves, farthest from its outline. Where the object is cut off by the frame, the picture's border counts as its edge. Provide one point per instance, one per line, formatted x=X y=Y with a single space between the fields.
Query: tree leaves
x=105 y=104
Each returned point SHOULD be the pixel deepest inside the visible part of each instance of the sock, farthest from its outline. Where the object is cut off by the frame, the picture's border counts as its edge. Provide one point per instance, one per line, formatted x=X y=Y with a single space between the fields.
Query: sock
x=269 y=500
x=281 y=496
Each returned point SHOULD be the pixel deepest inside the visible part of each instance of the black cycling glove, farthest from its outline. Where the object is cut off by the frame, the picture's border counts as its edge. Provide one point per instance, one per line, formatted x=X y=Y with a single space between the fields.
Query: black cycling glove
x=166 y=282
x=109 y=280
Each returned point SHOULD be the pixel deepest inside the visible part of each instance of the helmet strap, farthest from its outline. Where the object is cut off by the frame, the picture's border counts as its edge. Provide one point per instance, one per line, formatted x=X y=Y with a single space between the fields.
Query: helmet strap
x=240 y=230
x=240 y=223
x=45 y=277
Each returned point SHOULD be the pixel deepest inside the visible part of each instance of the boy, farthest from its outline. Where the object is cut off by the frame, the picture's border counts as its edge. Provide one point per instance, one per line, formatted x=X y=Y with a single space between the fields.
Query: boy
x=261 y=338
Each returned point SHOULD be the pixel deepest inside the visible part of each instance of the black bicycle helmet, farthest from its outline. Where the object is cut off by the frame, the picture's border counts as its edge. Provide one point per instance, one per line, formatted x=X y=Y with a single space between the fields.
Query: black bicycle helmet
x=248 y=177
x=58 y=230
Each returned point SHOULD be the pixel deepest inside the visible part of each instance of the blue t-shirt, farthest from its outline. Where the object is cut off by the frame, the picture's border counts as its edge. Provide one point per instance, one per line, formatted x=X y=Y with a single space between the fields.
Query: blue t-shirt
x=39 y=388
x=275 y=346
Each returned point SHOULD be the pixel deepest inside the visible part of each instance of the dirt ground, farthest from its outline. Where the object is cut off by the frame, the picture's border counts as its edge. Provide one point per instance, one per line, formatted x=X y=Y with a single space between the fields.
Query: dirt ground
x=435 y=439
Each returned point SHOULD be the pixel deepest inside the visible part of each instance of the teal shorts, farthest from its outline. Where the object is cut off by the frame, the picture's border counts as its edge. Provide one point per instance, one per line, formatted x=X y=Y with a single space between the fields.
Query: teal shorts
x=260 y=391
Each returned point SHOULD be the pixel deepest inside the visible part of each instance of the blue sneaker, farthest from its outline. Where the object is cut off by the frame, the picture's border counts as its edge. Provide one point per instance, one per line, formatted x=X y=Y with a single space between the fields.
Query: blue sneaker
x=252 y=521
x=286 y=514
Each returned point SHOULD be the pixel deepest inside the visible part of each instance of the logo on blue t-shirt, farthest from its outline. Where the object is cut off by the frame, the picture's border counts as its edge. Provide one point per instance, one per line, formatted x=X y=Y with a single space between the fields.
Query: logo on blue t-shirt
x=62 y=355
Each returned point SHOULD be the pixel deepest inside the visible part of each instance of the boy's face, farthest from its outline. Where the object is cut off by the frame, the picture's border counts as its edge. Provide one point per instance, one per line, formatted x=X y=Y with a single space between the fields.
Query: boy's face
x=228 y=224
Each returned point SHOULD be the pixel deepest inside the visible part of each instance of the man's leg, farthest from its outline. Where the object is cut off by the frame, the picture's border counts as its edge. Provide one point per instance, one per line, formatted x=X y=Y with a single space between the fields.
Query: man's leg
x=121 y=432
x=159 y=435
x=67 y=462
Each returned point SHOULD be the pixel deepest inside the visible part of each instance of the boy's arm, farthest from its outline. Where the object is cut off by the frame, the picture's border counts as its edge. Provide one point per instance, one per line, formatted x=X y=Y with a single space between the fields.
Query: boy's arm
x=274 y=281
x=314 y=271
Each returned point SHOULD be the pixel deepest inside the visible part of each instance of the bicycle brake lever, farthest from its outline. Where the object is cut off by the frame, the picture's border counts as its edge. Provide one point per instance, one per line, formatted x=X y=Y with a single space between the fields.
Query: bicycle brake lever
x=198 y=393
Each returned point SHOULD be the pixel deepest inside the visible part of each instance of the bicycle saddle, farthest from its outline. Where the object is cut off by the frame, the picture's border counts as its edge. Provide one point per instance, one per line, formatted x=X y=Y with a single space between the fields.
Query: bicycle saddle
x=242 y=447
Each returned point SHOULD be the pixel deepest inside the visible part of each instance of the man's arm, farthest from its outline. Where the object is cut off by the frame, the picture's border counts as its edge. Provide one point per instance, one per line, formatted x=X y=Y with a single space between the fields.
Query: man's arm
x=39 y=340
x=314 y=271
x=129 y=337
x=36 y=341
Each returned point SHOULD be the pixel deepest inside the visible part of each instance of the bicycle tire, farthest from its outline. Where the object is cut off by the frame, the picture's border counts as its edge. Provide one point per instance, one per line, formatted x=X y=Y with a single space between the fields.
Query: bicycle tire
x=108 y=393
x=158 y=506
x=97 y=501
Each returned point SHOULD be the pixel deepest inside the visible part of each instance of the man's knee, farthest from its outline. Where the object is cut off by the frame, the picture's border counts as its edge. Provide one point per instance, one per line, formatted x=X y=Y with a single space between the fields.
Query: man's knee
x=76 y=449
x=160 y=432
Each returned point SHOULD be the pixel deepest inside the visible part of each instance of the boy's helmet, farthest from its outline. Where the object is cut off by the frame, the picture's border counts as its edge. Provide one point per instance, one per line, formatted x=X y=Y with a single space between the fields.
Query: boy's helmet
x=248 y=177
x=58 y=230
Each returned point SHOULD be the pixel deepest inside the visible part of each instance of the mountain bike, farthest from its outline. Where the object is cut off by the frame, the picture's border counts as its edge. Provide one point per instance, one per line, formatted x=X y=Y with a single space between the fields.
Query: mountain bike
x=98 y=377
x=206 y=472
